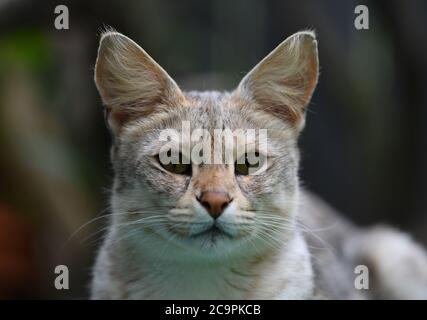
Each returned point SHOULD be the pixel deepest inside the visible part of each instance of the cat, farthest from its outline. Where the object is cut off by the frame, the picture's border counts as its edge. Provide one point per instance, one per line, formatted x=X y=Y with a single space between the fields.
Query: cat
x=213 y=231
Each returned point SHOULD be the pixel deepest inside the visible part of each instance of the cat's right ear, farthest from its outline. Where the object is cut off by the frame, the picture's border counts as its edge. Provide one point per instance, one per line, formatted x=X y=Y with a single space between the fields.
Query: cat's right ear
x=130 y=82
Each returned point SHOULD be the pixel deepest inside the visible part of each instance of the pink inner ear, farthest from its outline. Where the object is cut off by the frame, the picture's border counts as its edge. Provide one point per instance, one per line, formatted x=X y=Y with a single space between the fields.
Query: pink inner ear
x=120 y=115
x=283 y=112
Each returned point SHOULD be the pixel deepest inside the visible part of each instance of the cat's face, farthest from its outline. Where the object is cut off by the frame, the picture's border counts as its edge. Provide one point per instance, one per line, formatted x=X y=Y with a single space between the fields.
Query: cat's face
x=202 y=205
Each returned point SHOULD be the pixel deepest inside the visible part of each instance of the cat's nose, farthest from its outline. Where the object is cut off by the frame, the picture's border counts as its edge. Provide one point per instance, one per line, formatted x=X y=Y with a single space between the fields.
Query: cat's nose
x=214 y=202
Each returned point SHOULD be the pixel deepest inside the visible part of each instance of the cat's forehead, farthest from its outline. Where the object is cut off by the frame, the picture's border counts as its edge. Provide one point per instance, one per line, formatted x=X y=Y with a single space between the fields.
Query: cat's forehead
x=212 y=110
x=206 y=96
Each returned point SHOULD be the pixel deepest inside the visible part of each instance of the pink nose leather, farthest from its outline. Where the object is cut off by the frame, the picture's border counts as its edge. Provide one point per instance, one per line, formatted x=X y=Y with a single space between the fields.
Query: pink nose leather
x=214 y=202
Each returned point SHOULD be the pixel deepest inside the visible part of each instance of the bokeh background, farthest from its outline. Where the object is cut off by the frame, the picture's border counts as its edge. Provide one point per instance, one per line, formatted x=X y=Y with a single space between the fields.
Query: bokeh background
x=364 y=147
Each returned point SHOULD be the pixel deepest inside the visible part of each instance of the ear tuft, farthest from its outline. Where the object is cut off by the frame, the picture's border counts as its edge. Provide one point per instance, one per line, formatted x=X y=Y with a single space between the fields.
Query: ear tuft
x=283 y=82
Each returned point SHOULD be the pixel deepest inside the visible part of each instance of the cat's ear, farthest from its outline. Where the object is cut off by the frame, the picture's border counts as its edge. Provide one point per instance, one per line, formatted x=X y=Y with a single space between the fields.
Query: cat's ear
x=283 y=82
x=130 y=82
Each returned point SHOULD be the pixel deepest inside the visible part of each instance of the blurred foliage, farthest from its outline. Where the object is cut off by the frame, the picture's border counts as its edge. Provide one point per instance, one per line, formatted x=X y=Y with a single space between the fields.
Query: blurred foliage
x=29 y=48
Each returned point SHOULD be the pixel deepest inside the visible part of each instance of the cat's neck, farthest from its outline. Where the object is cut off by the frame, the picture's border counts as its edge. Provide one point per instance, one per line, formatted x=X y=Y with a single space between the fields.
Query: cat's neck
x=279 y=272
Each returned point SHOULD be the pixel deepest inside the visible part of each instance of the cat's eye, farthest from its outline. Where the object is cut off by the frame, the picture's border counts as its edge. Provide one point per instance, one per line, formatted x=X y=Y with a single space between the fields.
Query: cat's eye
x=243 y=165
x=177 y=168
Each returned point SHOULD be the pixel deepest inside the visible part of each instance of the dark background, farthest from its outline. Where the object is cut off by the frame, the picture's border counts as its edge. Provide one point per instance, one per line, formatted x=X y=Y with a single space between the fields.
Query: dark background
x=364 y=147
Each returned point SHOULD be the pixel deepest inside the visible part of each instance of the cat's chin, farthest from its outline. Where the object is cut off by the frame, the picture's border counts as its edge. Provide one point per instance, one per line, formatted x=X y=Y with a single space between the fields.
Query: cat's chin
x=212 y=243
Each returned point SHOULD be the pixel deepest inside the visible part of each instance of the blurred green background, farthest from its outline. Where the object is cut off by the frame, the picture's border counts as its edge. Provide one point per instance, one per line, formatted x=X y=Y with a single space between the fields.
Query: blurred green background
x=364 y=147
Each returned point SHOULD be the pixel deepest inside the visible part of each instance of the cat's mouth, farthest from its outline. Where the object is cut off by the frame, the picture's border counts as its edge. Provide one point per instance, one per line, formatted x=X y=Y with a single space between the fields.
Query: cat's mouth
x=213 y=233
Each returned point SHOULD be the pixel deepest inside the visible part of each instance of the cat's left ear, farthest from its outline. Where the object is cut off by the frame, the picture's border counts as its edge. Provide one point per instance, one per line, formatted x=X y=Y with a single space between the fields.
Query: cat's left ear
x=283 y=82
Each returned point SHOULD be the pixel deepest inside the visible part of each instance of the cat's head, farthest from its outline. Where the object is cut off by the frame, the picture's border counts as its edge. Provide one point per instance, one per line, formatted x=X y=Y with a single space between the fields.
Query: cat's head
x=205 y=207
